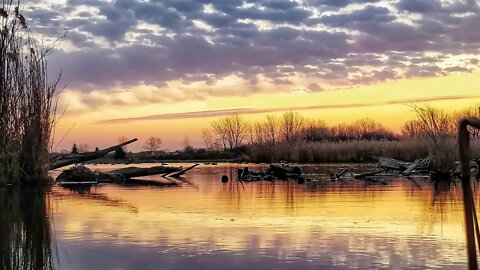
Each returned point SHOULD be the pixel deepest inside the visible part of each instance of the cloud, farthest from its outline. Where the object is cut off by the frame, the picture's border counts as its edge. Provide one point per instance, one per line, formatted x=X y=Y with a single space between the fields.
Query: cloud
x=232 y=111
x=125 y=43
x=314 y=87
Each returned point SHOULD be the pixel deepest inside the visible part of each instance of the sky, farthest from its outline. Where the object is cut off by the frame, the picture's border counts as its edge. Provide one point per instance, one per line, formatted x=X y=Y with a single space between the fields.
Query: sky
x=166 y=68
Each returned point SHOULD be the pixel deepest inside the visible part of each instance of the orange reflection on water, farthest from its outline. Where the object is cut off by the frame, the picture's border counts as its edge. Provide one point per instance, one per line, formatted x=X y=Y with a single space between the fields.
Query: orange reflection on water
x=393 y=226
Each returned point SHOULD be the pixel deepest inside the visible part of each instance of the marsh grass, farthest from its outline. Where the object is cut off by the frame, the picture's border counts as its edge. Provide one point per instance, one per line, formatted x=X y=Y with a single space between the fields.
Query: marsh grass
x=354 y=151
x=27 y=101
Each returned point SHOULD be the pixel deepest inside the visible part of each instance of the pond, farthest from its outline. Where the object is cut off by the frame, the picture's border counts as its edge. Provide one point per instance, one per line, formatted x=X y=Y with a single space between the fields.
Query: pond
x=206 y=224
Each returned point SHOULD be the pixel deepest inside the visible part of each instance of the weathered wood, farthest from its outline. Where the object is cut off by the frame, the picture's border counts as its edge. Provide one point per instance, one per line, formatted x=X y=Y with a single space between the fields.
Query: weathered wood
x=131 y=172
x=412 y=167
x=337 y=175
x=273 y=173
x=84 y=174
x=391 y=163
x=70 y=159
x=282 y=171
x=180 y=173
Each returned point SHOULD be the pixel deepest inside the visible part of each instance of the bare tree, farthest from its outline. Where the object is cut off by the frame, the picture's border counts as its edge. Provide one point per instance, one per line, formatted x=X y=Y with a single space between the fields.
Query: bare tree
x=434 y=123
x=271 y=129
x=259 y=133
x=470 y=112
x=316 y=131
x=208 y=139
x=221 y=130
x=186 y=141
x=368 y=129
x=83 y=147
x=123 y=139
x=291 y=124
x=152 y=144
x=411 y=129
x=440 y=128
x=231 y=130
x=237 y=130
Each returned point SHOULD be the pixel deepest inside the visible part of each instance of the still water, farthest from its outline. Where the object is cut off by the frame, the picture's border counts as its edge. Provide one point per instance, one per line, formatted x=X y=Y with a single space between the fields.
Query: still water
x=205 y=224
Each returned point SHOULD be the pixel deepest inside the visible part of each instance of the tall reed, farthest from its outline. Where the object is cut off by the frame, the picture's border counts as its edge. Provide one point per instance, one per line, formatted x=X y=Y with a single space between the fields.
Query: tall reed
x=351 y=151
x=27 y=101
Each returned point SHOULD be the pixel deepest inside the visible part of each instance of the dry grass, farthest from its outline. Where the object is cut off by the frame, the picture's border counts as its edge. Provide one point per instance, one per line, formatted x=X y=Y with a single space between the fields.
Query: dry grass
x=353 y=151
x=26 y=101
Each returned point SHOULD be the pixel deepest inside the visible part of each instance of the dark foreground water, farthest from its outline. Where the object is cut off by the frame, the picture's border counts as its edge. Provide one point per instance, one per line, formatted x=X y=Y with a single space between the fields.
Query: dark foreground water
x=209 y=225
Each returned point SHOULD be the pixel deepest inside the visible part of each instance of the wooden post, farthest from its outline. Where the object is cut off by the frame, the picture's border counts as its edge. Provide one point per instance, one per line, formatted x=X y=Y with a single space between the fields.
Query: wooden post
x=468 y=201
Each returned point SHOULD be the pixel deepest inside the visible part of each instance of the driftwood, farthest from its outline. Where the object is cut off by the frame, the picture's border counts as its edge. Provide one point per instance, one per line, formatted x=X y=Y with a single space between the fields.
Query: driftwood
x=282 y=171
x=335 y=176
x=79 y=174
x=273 y=173
x=70 y=159
x=412 y=167
x=131 y=172
x=181 y=172
x=399 y=165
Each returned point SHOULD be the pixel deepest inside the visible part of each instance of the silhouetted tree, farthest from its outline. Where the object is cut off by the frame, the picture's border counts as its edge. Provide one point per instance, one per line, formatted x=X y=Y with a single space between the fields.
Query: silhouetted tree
x=74 y=149
x=291 y=124
x=83 y=147
x=231 y=130
x=152 y=144
x=123 y=139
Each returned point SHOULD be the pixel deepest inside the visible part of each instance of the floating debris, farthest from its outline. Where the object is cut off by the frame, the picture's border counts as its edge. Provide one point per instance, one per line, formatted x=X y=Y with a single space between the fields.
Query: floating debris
x=273 y=173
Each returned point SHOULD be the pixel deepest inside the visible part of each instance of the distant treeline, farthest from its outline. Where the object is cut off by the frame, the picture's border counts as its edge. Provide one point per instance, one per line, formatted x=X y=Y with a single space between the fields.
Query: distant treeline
x=292 y=137
x=233 y=131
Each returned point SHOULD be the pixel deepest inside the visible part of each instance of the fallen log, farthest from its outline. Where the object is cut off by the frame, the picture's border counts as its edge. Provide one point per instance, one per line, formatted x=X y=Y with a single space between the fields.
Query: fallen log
x=70 y=159
x=337 y=175
x=412 y=167
x=84 y=174
x=273 y=173
x=131 y=172
x=180 y=173
x=282 y=171
x=399 y=165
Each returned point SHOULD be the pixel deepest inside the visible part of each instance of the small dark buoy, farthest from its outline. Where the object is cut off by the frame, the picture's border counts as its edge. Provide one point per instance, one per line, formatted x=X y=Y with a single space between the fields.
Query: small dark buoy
x=224 y=179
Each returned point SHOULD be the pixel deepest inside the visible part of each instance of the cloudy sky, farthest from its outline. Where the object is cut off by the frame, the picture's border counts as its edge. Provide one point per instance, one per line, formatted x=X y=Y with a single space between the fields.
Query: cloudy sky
x=165 y=67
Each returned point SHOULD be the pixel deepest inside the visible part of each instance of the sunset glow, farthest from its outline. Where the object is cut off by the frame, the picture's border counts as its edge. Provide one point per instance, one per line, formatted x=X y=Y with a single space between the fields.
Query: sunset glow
x=167 y=68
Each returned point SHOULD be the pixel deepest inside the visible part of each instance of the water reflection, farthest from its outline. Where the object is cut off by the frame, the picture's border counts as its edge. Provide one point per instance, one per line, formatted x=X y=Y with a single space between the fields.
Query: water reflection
x=25 y=229
x=208 y=224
